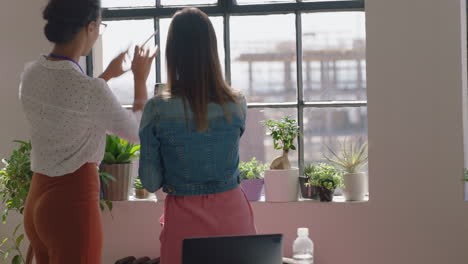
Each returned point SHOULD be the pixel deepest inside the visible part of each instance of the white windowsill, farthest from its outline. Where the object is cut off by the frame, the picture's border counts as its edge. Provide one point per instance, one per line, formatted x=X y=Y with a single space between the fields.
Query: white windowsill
x=336 y=199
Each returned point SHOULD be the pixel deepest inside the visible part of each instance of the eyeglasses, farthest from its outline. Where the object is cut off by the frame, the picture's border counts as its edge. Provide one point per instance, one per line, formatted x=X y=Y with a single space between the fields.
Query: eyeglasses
x=102 y=28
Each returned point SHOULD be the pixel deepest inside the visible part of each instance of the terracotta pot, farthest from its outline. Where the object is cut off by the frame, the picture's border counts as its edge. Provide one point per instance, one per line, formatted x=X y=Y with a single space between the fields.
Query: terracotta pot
x=325 y=194
x=118 y=190
x=141 y=194
x=307 y=192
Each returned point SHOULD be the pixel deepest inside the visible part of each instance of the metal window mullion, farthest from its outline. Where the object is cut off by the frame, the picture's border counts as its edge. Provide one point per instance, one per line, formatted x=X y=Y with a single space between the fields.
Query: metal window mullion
x=335 y=104
x=324 y=104
x=227 y=47
x=89 y=64
x=300 y=91
x=157 y=40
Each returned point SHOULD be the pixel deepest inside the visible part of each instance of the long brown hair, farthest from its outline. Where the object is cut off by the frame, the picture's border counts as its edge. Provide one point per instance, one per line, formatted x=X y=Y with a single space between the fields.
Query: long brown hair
x=193 y=67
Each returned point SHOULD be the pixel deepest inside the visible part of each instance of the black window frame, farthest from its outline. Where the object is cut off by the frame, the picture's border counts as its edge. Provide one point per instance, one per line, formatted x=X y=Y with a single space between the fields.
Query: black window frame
x=228 y=8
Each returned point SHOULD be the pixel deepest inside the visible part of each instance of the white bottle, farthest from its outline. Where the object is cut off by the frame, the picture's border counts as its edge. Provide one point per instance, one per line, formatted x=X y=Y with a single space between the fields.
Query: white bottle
x=303 y=247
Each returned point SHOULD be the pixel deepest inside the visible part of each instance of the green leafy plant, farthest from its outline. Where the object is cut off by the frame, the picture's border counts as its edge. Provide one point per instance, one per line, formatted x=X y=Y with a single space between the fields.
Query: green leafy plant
x=137 y=184
x=15 y=180
x=119 y=151
x=283 y=132
x=353 y=156
x=105 y=178
x=324 y=175
x=252 y=170
x=310 y=170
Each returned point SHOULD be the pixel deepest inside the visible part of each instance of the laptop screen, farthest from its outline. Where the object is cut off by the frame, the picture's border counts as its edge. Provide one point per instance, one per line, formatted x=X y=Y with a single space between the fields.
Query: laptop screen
x=256 y=249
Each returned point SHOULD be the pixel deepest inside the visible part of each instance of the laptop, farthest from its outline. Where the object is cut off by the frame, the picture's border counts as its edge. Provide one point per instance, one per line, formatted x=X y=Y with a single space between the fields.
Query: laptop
x=254 y=249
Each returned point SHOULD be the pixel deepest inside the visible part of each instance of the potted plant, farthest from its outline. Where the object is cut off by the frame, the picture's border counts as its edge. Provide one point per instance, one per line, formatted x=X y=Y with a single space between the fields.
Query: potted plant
x=326 y=178
x=117 y=162
x=15 y=180
x=281 y=181
x=140 y=192
x=308 y=191
x=351 y=159
x=252 y=178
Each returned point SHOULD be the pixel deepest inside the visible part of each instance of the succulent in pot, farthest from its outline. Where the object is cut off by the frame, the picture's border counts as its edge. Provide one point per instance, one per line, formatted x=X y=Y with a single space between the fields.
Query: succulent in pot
x=326 y=178
x=351 y=158
x=308 y=191
x=252 y=174
x=140 y=191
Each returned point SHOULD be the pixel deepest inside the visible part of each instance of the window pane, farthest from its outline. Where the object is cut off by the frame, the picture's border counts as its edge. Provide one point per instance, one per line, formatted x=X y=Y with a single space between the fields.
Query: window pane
x=329 y=126
x=128 y=3
x=334 y=63
x=187 y=2
x=256 y=143
x=243 y=2
x=263 y=52
x=164 y=26
x=118 y=37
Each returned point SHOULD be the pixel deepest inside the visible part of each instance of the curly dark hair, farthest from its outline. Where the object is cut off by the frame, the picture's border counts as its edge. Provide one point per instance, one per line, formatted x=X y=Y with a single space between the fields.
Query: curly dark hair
x=65 y=18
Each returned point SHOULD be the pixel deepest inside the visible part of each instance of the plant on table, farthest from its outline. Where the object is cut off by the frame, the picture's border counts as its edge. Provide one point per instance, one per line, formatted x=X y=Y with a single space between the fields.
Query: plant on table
x=120 y=151
x=137 y=184
x=117 y=162
x=327 y=178
x=140 y=191
x=351 y=159
x=252 y=170
x=252 y=174
x=308 y=191
x=15 y=180
x=282 y=181
x=283 y=132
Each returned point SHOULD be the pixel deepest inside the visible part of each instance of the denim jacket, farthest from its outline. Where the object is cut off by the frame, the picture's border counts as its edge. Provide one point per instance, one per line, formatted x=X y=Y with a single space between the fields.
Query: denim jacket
x=181 y=160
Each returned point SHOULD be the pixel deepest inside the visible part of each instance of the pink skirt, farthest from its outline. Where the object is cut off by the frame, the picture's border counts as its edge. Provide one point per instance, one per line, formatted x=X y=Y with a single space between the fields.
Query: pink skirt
x=222 y=214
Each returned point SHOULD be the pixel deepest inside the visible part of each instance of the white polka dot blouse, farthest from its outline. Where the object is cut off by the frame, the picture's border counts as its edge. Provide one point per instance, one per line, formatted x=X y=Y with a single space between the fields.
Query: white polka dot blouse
x=69 y=114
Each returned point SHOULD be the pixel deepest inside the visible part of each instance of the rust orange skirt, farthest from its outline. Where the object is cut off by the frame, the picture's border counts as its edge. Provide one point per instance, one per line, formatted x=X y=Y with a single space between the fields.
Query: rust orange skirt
x=62 y=218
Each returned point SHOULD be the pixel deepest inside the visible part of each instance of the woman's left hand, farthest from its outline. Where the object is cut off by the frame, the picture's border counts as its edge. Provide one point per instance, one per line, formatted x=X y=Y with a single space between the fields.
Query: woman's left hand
x=115 y=68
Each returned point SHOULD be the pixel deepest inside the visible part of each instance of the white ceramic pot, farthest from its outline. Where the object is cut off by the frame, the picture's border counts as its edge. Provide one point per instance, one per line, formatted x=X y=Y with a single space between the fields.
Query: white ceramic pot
x=282 y=185
x=355 y=186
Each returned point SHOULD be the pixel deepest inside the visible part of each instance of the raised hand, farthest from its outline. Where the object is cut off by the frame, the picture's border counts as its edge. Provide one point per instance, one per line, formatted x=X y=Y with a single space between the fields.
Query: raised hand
x=142 y=61
x=115 y=68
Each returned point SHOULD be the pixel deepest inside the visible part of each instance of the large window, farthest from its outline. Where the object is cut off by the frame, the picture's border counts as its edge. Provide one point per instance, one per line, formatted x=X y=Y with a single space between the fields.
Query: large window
x=305 y=59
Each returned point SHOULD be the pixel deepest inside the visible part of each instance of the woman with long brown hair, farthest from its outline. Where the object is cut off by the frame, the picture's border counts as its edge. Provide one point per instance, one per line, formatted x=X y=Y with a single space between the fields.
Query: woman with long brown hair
x=190 y=141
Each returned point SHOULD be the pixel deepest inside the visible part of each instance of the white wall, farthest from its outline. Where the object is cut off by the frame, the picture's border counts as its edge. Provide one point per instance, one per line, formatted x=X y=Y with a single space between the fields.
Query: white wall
x=416 y=213
x=21 y=41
